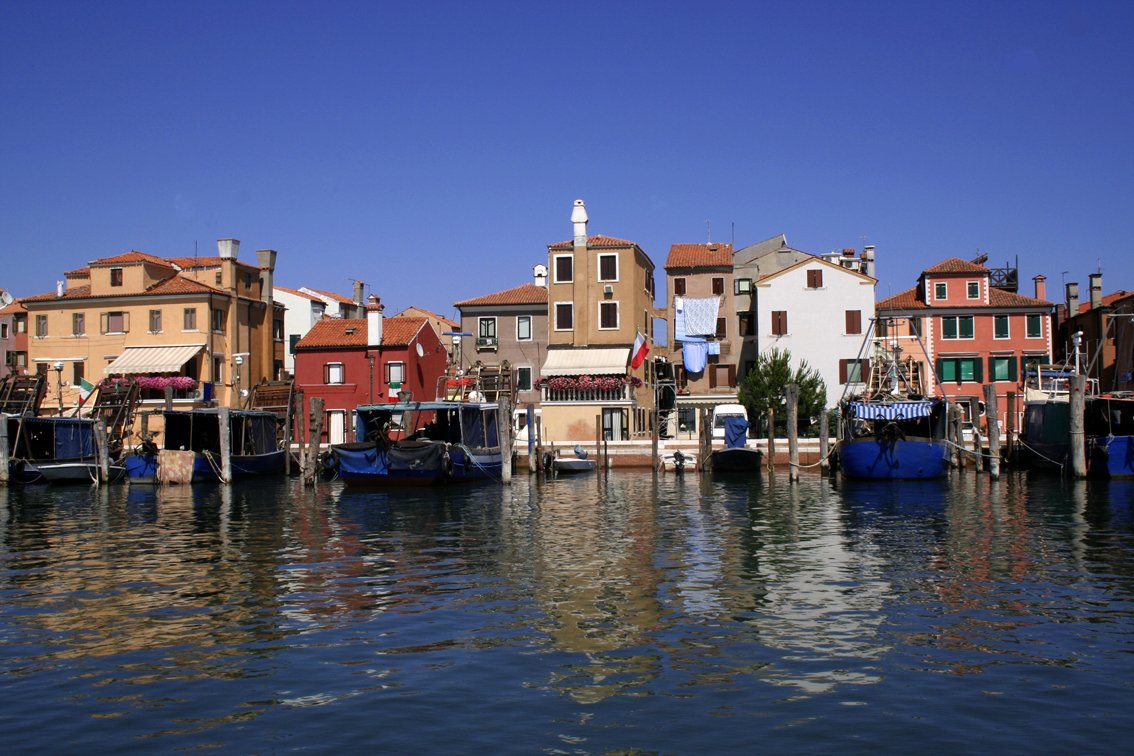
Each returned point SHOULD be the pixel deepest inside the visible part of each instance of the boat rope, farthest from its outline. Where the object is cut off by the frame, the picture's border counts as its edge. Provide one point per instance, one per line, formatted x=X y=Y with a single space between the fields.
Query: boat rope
x=208 y=455
x=826 y=458
x=1039 y=454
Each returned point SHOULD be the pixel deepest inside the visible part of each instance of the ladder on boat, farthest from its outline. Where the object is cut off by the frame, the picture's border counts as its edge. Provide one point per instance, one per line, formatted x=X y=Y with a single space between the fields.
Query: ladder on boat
x=22 y=394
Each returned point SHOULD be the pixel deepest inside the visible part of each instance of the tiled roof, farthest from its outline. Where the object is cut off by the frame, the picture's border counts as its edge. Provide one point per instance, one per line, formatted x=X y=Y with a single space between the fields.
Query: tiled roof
x=909 y=300
x=351 y=332
x=133 y=256
x=14 y=307
x=427 y=314
x=297 y=293
x=1001 y=298
x=78 y=273
x=341 y=299
x=956 y=265
x=594 y=241
x=699 y=256
x=525 y=294
x=185 y=263
x=178 y=285
x=1109 y=299
x=72 y=292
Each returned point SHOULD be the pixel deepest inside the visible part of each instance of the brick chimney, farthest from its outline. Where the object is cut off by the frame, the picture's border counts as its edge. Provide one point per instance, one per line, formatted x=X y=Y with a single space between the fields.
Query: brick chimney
x=1041 y=286
x=1096 y=290
x=360 y=298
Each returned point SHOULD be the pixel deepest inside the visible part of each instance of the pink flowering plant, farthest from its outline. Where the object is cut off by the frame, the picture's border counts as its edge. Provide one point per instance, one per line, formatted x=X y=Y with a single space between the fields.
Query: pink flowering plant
x=588 y=382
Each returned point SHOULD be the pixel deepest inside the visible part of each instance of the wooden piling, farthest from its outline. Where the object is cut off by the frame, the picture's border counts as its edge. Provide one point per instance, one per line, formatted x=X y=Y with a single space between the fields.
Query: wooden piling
x=993 y=430
x=539 y=443
x=771 y=439
x=102 y=449
x=824 y=440
x=5 y=452
x=654 y=416
x=956 y=422
x=504 y=429
x=301 y=423
x=168 y=398
x=598 y=442
x=531 y=438
x=1010 y=441
x=791 y=394
x=224 y=416
x=314 y=440
x=1077 y=399
x=705 y=440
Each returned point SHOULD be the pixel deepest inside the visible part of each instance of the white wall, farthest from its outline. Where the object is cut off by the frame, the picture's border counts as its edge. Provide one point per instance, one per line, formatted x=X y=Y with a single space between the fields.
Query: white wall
x=302 y=313
x=816 y=318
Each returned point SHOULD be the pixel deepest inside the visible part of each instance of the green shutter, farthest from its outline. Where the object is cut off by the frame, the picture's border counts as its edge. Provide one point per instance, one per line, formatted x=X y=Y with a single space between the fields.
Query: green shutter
x=978 y=371
x=1012 y=374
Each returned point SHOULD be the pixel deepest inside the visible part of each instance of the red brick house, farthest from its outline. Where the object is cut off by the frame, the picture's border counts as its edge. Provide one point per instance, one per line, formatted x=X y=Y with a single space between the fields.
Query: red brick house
x=356 y=361
x=974 y=333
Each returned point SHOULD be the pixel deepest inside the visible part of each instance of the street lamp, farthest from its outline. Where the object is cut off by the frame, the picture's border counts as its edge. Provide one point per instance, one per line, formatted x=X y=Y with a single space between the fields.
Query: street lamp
x=58 y=368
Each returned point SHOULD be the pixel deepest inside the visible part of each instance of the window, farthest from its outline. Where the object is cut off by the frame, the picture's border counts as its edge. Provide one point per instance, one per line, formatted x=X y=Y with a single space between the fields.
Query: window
x=3 y=330
x=721 y=326
x=189 y=322
x=687 y=420
x=853 y=322
x=940 y=291
x=523 y=379
x=20 y=323
x=1002 y=368
x=486 y=332
x=608 y=315
x=745 y=324
x=1031 y=360
x=564 y=268
x=608 y=267
x=779 y=322
x=116 y=276
x=277 y=329
x=615 y=424
x=852 y=371
x=1035 y=326
x=292 y=339
x=679 y=287
x=333 y=373
x=247 y=280
x=523 y=328
x=718 y=286
x=742 y=286
x=78 y=324
x=40 y=326
x=155 y=321
x=815 y=279
x=973 y=289
x=1000 y=326
x=115 y=322
x=957 y=326
x=960 y=369
x=218 y=370
x=218 y=320
x=722 y=375
x=395 y=373
x=564 y=316
x=78 y=372
x=915 y=327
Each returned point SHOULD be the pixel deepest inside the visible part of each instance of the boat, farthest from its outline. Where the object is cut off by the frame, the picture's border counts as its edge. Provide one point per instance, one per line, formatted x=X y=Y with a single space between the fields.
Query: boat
x=736 y=456
x=190 y=447
x=892 y=429
x=579 y=463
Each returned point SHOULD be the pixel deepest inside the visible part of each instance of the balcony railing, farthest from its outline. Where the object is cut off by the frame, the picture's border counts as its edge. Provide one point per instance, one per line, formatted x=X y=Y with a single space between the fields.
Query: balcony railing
x=585 y=395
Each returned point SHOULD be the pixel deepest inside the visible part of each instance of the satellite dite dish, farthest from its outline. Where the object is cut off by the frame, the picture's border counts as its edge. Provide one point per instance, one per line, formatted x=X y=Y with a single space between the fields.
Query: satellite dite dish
x=420 y=351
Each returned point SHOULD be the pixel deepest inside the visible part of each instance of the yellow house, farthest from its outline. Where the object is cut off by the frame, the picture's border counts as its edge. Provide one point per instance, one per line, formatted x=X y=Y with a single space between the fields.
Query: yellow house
x=208 y=326
x=600 y=298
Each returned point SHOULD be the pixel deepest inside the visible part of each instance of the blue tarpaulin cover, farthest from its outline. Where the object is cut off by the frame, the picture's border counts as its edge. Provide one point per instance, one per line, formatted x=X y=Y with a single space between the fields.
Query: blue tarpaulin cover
x=894 y=411
x=736 y=432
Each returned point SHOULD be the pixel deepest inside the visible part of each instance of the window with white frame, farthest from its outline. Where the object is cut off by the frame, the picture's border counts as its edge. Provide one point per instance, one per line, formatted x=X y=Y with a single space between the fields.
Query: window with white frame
x=956 y=326
x=973 y=289
x=563 y=268
x=395 y=373
x=608 y=315
x=1000 y=326
x=608 y=267
x=1035 y=325
x=523 y=328
x=486 y=331
x=524 y=378
x=564 y=316
x=940 y=291
x=41 y=326
x=333 y=373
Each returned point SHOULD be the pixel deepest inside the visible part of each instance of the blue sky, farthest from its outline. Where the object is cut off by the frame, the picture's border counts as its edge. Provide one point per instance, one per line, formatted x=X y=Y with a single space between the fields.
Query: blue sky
x=433 y=150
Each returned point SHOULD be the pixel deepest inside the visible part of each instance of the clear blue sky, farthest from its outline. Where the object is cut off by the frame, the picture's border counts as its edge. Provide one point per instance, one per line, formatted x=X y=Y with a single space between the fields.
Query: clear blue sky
x=433 y=150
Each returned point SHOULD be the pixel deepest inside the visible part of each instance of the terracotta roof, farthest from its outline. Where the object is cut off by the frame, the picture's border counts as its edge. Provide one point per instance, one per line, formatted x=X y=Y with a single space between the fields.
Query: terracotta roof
x=297 y=293
x=1109 y=299
x=956 y=265
x=78 y=273
x=699 y=256
x=14 y=307
x=351 y=332
x=133 y=256
x=341 y=299
x=178 y=285
x=909 y=300
x=903 y=300
x=425 y=313
x=72 y=292
x=594 y=241
x=186 y=263
x=526 y=294
x=1001 y=298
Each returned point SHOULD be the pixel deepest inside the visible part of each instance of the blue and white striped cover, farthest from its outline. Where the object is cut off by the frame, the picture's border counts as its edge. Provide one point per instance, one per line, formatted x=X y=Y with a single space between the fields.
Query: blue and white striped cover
x=895 y=411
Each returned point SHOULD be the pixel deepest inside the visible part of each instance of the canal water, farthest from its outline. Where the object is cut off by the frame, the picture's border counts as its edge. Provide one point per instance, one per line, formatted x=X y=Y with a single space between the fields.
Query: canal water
x=586 y=615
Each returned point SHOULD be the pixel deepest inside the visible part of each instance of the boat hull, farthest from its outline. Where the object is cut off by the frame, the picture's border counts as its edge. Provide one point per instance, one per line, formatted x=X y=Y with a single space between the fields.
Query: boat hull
x=572 y=466
x=1111 y=456
x=741 y=460
x=413 y=464
x=893 y=459
x=140 y=468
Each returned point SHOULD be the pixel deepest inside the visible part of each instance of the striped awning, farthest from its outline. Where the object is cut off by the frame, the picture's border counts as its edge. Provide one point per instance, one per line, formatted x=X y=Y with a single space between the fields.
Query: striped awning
x=892 y=411
x=152 y=359
x=590 y=361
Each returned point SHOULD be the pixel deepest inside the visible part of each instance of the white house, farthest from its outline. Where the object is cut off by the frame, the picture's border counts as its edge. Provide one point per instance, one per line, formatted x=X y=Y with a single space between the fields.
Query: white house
x=303 y=311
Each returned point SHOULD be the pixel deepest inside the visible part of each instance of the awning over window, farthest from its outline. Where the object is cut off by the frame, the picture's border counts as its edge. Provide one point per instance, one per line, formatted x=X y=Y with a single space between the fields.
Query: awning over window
x=596 y=361
x=152 y=359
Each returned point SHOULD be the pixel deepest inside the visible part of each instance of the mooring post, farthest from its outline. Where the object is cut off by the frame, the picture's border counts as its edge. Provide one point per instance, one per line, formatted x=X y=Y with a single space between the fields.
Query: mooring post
x=993 y=415
x=956 y=420
x=539 y=444
x=224 y=416
x=1010 y=441
x=1077 y=398
x=705 y=440
x=771 y=439
x=824 y=440
x=791 y=394
x=301 y=431
x=102 y=449
x=505 y=432
x=531 y=437
x=315 y=439
x=168 y=398
x=654 y=436
x=4 y=453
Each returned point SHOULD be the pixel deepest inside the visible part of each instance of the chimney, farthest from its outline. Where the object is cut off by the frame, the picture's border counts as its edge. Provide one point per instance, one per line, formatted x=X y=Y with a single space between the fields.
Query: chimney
x=374 y=321
x=228 y=248
x=59 y=289
x=266 y=258
x=1041 y=286
x=868 y=259
x=540 y=274
x=359 y=296
x=579 y=220
x=1072 y=299
x=1096 y=290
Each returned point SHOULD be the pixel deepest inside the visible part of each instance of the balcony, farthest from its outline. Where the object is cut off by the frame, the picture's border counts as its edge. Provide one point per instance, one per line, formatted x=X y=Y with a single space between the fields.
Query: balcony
x=486 y=344
x=587 y=395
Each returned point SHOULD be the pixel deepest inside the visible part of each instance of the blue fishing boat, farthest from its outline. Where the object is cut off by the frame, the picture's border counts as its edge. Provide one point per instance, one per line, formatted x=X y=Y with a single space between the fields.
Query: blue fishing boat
x=409 y=443
x=893 y=430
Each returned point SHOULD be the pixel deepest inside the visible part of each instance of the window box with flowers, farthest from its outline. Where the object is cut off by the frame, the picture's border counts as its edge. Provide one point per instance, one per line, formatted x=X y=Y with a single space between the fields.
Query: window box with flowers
x=153 y=386
x=587 y=388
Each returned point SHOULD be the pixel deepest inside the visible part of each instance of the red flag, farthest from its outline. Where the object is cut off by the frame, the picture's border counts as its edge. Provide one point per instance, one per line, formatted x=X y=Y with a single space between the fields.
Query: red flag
x=638 y=351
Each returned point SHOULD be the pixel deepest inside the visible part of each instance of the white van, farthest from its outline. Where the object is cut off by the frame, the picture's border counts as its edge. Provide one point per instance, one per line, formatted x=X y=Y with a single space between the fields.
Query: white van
x=721 y=411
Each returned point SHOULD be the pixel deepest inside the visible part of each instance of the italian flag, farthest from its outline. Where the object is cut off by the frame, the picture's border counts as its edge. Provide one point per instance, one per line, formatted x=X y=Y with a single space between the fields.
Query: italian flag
x=638 y=351
x=85 y=389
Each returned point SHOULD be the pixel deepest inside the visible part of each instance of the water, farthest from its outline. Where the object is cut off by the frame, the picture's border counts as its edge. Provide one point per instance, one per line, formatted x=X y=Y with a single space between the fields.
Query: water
x=580 y=615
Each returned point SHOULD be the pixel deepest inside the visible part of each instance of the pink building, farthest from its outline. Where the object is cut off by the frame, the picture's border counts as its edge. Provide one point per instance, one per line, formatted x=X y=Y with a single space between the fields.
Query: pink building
x=356 y=361
x=974 y=333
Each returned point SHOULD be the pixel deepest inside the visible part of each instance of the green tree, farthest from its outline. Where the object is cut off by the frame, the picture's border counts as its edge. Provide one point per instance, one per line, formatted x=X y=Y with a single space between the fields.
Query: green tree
x=763 y=387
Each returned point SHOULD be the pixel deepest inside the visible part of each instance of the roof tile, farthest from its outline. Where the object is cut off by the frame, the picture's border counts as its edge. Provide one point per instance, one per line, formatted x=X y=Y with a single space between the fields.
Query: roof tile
x=956 y=265
x=594 y=241
x=526 y=294
x=699 y=256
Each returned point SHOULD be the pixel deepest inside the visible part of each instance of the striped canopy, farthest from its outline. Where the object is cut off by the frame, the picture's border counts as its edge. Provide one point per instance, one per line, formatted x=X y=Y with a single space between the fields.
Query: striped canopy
x=894 y=411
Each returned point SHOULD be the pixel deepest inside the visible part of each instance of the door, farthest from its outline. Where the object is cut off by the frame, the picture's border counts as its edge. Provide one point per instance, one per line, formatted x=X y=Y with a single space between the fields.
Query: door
x=614 y=424
x=336 y=426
